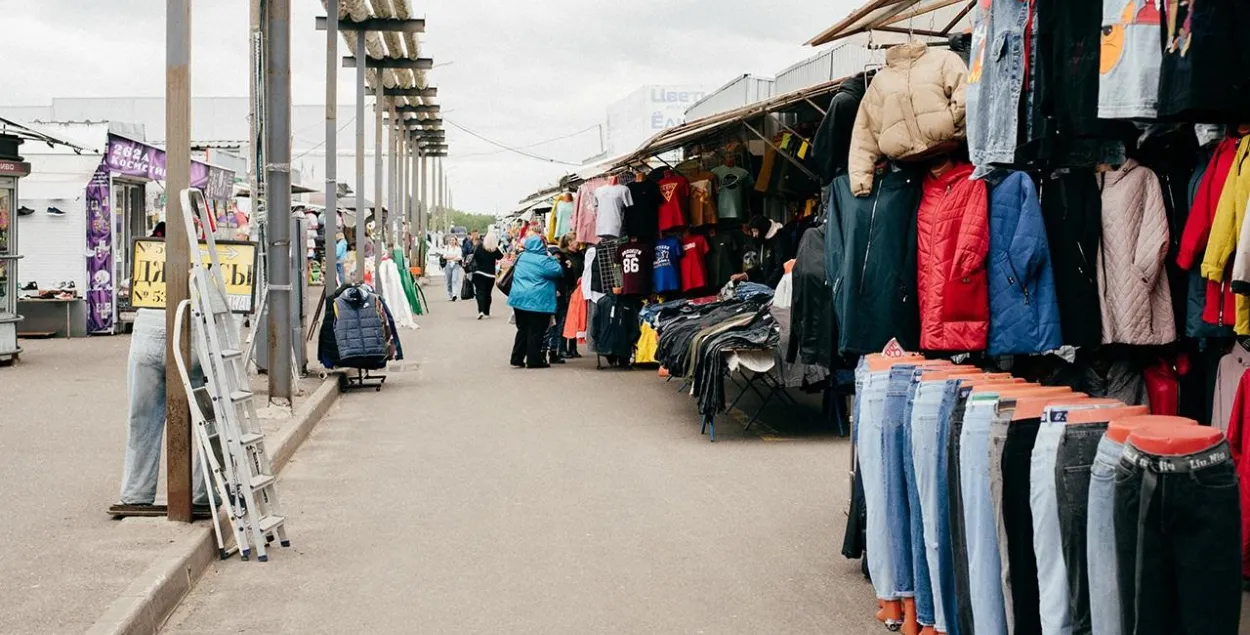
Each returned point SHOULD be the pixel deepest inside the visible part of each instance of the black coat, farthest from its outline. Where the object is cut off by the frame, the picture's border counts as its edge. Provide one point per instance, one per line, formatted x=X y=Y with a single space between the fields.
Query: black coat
x=870 y=255
x=811 y=313
x=832 y=144
x=1072 y=209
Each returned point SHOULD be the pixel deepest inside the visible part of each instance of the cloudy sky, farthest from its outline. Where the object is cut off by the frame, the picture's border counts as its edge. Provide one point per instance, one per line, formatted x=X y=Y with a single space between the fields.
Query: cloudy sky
x=520 y=72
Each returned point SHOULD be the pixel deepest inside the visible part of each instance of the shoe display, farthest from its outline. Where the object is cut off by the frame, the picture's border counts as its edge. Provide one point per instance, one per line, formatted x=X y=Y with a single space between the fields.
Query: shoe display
x=55 y=211
x=30 y=286
x=25 y=211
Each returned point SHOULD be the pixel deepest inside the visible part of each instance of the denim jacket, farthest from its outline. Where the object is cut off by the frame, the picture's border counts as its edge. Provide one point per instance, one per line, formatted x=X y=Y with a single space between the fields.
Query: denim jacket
x=996 y=81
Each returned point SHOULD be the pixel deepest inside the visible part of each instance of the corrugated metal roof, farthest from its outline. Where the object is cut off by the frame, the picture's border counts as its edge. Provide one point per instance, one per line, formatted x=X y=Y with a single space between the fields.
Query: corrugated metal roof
x=741 y=91
x=929 y=18
x=843 y=60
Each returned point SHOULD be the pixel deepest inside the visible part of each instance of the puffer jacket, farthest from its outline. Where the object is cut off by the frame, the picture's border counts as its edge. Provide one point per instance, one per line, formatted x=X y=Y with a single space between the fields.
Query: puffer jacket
x=358 y=328
x=1135 y=298
x=914 y=107
x=1218 y=302
x=952 y=239
x=870 y=258
x=534 y=281
x=1072 y=208
x=1024 y=312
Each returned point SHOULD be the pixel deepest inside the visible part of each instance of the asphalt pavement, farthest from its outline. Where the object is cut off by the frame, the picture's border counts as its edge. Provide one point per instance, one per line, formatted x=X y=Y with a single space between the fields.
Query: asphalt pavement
x=471 y=497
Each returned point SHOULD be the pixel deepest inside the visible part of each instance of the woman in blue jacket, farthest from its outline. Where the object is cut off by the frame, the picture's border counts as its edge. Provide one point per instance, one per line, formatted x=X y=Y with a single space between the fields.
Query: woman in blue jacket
x=533 y=297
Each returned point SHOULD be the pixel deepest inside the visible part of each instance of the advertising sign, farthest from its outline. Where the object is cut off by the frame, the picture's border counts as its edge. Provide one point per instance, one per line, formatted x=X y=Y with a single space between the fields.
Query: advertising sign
x=238 y=268
x=132 y=158
x=100 y=283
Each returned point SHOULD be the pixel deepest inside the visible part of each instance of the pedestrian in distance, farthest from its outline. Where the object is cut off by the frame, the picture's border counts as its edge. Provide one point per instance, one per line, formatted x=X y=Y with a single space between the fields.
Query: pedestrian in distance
x=452 y=260
x=533 y=300
x=340 y=255
x=486 y=256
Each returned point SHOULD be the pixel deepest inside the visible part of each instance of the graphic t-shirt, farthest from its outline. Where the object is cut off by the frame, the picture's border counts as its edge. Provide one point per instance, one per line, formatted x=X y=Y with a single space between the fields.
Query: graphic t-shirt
x=702 y=203
x=674 y=199
x=693 y=268
x=1128 y=85
x=636 y=260
x=610 y=202
x=564 y=217
x=733 y=186
x=667 y=256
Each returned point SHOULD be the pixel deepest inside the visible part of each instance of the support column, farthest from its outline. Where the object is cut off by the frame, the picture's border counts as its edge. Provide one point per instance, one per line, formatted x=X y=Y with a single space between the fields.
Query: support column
x=331 y=218
x=277 y=126
x=361 y=54
x=379 y=215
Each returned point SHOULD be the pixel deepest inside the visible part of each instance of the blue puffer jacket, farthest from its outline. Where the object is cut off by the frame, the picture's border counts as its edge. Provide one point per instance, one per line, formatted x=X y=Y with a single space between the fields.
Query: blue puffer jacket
x=1024 y=311
x=534 y=281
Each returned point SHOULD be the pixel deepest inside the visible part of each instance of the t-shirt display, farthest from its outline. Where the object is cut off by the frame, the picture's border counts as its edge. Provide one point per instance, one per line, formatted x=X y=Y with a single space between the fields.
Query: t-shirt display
x=1128 y=85
x=724 y=257
x=733 y=185
x=693 y=269
x=642 y=219
x=564 y=217
x=610 y=203
x=1205 y=78
x=675 y=198
x=636 y=259
x=667 y=256
x=702 y=203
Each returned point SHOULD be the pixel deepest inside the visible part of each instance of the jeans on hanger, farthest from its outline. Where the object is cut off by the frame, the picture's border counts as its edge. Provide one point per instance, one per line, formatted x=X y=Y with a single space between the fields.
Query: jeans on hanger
x=984 y=564
x=921 y=583
x=1052 y=574
x=1178 y=543
x=1104 y=589
x=1015 y=530
x=1073 y=460
x=926 y=409
x=869 y=430
x=958 y=549
x=898 y=516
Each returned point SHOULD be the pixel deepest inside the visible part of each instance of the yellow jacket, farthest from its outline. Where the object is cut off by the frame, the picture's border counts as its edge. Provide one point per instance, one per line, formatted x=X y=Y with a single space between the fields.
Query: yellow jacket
x=1230 y=214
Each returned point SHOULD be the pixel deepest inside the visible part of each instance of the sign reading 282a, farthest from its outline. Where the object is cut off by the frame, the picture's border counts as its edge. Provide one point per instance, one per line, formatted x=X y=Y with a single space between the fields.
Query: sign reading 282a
x=238 y=268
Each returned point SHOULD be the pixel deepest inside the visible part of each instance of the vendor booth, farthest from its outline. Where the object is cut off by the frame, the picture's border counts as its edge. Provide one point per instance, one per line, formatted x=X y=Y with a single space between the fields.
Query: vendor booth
x=11 y=169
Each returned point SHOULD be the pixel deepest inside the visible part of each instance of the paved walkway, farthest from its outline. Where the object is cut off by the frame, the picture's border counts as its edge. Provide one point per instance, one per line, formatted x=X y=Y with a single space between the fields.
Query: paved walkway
x=469 y=497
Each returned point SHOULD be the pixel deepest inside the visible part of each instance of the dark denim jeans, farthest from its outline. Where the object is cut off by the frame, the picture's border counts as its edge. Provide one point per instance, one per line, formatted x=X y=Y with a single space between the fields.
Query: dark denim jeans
x=1077 y=451
x=1178 y=543
x=961 y=595
x=1015 y=533
x=921 y=583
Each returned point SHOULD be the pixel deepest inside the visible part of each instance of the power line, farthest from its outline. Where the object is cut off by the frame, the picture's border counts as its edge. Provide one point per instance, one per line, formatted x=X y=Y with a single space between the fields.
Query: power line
x=532 y=145
x=509 y=148
x=323 y=142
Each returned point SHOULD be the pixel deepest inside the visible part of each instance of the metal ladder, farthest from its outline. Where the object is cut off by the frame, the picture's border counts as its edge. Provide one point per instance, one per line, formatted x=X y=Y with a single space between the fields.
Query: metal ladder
x=244 y=478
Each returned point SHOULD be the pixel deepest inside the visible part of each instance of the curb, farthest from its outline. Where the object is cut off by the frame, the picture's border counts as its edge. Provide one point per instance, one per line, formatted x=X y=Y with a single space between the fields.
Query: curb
x=153 y=596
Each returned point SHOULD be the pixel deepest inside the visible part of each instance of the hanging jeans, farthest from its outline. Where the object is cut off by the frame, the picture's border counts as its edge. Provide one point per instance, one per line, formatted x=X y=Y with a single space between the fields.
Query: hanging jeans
x=1104 y=589
x=1015 y=523
x=1073 y=460
x=925 y=432
x=1052 y=575
x=898 y=514
x=1178 y=543
x=958 y=550
x=921 y=582
x=869 y=430
x=145 y=380
x=984 y=564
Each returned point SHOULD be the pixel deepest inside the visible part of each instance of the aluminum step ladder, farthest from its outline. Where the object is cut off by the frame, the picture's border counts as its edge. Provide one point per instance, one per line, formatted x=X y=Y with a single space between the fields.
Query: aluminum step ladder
x=244 y=478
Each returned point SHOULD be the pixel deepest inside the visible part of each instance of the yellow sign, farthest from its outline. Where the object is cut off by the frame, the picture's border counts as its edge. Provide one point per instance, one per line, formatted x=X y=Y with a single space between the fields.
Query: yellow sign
x=238 y=268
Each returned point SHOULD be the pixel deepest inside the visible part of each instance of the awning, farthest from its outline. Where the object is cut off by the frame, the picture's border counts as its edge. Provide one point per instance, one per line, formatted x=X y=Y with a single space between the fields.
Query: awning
x=242 y=191
x=941 y=17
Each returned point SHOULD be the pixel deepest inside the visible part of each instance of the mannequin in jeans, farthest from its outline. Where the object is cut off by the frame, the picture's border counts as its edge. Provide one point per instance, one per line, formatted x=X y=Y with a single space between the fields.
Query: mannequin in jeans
x=145 y=380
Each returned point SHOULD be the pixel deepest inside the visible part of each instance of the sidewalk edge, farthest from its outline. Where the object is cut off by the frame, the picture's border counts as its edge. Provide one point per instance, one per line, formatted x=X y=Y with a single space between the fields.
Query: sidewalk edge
x=154 y=595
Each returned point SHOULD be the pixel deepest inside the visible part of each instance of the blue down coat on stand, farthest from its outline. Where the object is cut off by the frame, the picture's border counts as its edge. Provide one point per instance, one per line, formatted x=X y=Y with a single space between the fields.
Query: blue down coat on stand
x=1024 y=310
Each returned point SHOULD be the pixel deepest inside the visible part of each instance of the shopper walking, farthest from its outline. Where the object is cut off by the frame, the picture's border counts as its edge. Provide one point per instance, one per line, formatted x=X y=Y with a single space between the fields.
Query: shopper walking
x=452 y=260
x=340 y=257
x=533 y=299
x=486 y=257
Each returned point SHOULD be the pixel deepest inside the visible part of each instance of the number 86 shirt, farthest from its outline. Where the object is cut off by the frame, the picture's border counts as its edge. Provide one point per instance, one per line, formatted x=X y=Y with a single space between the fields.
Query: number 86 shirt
x=635 y=259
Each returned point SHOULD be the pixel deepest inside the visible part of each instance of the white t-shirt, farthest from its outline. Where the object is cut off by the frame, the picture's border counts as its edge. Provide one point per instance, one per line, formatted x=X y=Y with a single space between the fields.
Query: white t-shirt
x=611 y=201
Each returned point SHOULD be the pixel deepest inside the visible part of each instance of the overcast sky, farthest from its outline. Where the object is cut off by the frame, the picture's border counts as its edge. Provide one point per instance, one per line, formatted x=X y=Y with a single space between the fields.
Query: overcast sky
x=520 y=72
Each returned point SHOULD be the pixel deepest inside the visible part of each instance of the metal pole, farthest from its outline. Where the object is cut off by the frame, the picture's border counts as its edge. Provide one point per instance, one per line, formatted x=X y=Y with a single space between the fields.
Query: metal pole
x=392 y=181
x=331 y=218
x=414 y=212
x=277 y=126
x=379 y=214
x=360 y=156
x=178 y=252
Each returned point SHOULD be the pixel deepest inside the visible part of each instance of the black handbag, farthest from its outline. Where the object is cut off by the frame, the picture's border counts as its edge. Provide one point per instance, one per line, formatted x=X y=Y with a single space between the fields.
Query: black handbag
x=504 y=281
x=466 y=288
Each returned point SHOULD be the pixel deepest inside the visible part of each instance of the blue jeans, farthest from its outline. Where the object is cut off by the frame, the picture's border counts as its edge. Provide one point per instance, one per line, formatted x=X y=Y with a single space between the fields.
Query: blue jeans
x=871 y=464
x=145 y=381
x=454 y=275
x=924 y=432
x=896 y=500
x=946 y=549
x=989 y=615
x=1104 y=592
x=1052 y=572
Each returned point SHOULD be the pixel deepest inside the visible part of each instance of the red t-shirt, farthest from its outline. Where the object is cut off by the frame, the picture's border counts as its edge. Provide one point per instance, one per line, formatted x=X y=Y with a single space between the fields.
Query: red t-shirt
x=693 y=269
x=674 y=199
x=636 y=260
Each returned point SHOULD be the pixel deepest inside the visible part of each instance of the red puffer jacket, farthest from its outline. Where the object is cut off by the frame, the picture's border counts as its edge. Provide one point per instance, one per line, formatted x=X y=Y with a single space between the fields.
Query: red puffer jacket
x=953 y=238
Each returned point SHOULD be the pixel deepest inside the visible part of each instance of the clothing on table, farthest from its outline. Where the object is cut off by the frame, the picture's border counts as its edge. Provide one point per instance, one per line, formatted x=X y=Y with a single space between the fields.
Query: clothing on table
x=674 y=199
x=564 y=217
x=527 y=347
x=733 y=186
x=1207 y=77
x=702 y=199
x=610 y=204
x=1232 y=368
x=642 y=219
x=952 y=236
x=1128 y=85
x=636 y=260
x=668 y=253
x=693 y=268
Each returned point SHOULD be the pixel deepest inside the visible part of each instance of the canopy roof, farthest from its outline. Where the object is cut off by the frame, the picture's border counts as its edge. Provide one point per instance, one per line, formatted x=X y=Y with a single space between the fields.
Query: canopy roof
x=931 y=18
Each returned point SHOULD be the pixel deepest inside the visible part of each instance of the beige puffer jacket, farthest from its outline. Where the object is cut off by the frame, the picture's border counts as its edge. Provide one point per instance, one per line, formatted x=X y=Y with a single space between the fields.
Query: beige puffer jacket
x=1133 y=284
x=913 y=106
